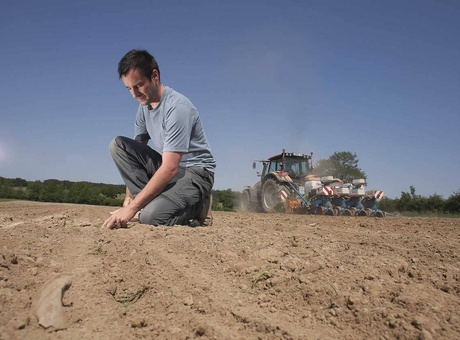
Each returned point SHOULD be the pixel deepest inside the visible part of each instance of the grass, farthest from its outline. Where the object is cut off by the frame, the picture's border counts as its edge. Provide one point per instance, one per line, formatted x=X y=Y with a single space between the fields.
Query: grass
x=429 y=214
x=6 y=199
x=98 y=250
x=264 y=275
x=128 y=298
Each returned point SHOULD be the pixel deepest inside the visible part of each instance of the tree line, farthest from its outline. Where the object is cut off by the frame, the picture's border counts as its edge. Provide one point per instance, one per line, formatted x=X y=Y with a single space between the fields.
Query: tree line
x=53 y=190
x=343 y=165
x=410 y=202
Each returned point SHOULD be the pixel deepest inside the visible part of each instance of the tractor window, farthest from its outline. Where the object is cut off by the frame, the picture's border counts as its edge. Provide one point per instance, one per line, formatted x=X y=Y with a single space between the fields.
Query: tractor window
x=275 y=166
x=303 y=167
x=296 y=167
x=292 y=167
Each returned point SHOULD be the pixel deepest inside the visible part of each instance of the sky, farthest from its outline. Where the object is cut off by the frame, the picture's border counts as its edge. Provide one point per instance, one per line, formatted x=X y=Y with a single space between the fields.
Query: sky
x=380 y=79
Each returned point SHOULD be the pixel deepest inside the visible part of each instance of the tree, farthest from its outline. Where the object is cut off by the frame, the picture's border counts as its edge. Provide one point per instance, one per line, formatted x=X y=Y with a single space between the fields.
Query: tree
x=223 y=199
x=452 y=205
x=343 y=165
x=434 y=203
x=19 y=182
x=53 y=191
x=34 y=191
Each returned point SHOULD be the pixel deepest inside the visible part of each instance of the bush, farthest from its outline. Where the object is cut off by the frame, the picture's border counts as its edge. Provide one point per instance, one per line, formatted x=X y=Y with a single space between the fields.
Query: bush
x=452 y=205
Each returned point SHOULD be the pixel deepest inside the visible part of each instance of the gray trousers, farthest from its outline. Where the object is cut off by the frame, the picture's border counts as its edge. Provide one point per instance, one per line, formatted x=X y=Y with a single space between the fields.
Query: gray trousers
x=179 y=202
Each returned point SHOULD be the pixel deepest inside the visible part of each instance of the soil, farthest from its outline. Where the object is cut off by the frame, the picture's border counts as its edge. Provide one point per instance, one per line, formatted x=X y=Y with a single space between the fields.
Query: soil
x=249 y=276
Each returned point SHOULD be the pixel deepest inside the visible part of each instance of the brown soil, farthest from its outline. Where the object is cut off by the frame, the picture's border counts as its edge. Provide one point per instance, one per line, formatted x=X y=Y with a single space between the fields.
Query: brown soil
x=249 y=276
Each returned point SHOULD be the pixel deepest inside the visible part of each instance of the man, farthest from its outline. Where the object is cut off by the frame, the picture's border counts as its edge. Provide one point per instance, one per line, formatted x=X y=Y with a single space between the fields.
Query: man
x=170 y=183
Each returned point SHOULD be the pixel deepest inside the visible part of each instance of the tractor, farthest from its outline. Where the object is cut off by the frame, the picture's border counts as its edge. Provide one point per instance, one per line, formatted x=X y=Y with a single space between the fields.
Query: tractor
x=281 y=186
x=288 y=185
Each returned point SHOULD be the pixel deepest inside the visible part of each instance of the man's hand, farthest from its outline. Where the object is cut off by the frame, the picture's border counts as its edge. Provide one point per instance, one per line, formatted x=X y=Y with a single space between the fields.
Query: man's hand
x=165 y=173
x=119 y=218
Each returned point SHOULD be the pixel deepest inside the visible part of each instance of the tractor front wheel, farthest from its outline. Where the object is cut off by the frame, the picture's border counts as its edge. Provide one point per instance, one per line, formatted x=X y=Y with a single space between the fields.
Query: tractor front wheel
x=245 y=201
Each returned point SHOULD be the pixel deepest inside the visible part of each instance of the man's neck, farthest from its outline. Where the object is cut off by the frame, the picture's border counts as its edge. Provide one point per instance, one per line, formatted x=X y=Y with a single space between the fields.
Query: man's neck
x=157 y=100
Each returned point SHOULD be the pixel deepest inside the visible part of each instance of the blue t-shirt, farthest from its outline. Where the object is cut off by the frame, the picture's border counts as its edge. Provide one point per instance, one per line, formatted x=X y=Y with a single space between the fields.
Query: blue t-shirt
x=175 y=126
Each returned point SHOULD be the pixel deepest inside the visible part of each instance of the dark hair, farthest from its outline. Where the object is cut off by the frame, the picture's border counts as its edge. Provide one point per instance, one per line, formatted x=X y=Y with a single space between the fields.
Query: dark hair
x=138 y=59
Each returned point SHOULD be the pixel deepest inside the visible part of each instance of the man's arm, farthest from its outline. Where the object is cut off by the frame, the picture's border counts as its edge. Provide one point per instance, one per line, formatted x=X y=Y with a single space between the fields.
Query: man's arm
x=128 y=196
x=164 y=174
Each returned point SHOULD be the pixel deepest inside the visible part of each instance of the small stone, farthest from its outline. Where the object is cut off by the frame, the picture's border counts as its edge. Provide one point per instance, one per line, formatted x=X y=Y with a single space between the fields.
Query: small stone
x=140 y=323
x=303 y=279
x=425 y=335
x=14 y=259
x=17 y=323
x=188 y=301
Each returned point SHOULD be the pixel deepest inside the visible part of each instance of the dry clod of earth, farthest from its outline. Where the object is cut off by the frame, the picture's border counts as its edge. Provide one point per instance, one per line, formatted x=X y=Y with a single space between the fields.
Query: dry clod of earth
x=249 y=276
x=47 y=305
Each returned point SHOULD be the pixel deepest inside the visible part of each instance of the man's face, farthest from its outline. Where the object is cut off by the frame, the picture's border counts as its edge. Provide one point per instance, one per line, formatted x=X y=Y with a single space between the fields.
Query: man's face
x=145 y=90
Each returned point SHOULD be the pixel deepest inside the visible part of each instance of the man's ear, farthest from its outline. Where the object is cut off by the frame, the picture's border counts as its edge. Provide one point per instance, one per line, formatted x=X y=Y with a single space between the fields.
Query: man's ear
x=154 y=74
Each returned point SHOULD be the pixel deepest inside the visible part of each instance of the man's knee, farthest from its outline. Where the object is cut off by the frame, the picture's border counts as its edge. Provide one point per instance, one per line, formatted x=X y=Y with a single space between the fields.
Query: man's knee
x=116 y=144
x=156 y=219
x=162 y=211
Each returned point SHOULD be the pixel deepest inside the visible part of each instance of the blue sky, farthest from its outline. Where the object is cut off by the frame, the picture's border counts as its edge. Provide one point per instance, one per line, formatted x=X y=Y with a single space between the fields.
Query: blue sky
x=377 y=78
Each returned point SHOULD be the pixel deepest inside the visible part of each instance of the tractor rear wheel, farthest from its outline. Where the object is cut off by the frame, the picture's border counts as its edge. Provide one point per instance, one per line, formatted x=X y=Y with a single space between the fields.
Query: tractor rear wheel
x=271 y=195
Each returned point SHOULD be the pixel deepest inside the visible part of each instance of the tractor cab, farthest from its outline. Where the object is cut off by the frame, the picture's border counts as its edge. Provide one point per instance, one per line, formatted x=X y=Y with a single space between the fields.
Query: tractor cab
x=296 y=165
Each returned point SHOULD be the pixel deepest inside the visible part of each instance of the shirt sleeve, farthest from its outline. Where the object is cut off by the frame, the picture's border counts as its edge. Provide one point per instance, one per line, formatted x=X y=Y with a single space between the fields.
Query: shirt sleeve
x=178 y=128
x=140 y=129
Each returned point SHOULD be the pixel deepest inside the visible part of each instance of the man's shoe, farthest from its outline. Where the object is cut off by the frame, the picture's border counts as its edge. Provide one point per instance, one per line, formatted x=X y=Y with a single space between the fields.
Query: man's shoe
x=204 y=219
x=206 y=211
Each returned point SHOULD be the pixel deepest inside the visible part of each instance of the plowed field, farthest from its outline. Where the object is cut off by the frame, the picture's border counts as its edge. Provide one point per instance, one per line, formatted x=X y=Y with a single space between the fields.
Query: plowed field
x=249 y=276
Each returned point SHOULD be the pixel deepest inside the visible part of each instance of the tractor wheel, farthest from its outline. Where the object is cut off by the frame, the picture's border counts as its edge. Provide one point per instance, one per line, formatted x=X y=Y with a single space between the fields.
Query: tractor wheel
x=349 y=212
x=379 y=214
x=337 y=211
x=245 y=202
x=320 y=210
x=271 y=195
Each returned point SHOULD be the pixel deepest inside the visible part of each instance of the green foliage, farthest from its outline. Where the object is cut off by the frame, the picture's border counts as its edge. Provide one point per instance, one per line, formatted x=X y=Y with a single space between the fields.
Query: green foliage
x=53 y=190
x=342 y=165
x=280 y=208
x=409 y=203
x=452 y=205
x=224 y=200
x=388 y=205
